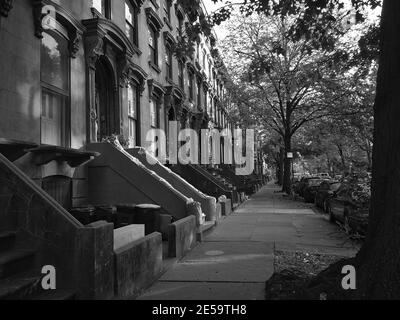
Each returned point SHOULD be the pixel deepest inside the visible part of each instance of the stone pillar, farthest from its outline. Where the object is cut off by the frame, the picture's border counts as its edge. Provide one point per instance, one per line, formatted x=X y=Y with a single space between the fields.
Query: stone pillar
x=94 y=48
x=95 y=261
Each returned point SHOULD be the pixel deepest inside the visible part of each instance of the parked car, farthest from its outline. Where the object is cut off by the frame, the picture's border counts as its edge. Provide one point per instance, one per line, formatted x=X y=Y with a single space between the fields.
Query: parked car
x=350 y=205
x=311 y=188
x=325 y=190
x=299 y=187
x=324 y=175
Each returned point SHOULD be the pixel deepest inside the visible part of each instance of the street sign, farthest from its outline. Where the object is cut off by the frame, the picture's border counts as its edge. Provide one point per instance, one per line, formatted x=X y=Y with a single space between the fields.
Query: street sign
x=290 y=155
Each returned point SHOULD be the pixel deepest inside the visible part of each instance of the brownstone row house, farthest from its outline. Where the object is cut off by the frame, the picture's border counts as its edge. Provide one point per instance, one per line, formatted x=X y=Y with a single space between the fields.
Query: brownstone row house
x=73 y=73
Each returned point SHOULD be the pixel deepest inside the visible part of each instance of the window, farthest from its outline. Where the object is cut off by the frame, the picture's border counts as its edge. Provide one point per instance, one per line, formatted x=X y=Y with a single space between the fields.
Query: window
x=153 y=44
x=191 y=85
x=168 y=62
x=133 y=114
x=154 y=113
x=180 y=74
x=167 y=9
x=131 y=22
x=180 y=24
x=103 y=7
x=54 y=73
x=198 y=94
x=205 y=99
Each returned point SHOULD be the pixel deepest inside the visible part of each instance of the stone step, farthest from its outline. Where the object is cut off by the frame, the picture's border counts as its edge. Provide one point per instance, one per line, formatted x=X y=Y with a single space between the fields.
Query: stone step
x=13 y=262
x=7 y=240
x=205 y=229
x=19 y=287
x=58 y=294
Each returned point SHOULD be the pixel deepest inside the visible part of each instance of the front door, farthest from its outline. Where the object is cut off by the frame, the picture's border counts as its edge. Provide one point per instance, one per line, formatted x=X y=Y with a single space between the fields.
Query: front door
x=106 y=108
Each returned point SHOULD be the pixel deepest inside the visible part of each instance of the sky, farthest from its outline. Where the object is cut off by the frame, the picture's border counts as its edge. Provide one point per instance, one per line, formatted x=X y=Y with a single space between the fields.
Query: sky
x=211 y=7
x=222 y=32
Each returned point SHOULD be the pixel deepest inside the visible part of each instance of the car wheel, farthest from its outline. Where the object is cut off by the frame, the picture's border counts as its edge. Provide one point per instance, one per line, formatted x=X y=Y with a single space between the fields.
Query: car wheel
x=331 y=216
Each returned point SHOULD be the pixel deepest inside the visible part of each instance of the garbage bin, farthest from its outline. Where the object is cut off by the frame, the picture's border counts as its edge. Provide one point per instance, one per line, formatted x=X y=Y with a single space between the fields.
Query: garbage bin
x=126 y=213
x=107 y=213
x=149 y=215
x=84 y=215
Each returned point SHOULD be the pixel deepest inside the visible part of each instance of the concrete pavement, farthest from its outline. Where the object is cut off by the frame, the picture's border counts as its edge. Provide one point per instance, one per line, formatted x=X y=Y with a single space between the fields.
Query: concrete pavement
x=237 y=258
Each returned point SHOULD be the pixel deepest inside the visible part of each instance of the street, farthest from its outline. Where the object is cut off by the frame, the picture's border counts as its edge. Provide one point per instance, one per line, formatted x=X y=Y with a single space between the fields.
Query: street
x=237 y=258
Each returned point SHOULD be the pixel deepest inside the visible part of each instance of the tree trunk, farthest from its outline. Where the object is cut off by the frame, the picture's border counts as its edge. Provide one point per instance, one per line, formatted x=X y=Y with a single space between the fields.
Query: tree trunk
x=280 y=167
x=342 y=157
x=378 y=262
x=379 y=258
x=287 y=171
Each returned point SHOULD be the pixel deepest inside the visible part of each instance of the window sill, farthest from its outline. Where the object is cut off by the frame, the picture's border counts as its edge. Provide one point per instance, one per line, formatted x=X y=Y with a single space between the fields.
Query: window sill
x=75 y=158
x=136 y=49
x=155 y=67
x=13 y=149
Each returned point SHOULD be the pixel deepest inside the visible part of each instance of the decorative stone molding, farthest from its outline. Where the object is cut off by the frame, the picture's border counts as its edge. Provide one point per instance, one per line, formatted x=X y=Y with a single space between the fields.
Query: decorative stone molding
x=94 y=43
x=155 y=89
x=124 y=63
x=38 y=17
x=153 y=19
x=5 y=7
x=94 y=49
x=42 y=8
x=168 y=38
x=75 y=43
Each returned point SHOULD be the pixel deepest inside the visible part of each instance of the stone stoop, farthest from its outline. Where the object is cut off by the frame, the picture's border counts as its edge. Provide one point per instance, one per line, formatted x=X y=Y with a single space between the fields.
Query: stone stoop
x=18 y=279
x=205 y=229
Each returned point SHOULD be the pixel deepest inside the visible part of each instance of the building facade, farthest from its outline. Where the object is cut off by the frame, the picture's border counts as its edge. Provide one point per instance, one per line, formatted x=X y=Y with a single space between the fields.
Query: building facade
x=76 y=72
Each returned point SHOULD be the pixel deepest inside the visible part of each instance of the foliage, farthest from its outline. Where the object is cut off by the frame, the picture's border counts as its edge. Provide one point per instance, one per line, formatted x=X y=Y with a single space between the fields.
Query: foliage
x=124 y=142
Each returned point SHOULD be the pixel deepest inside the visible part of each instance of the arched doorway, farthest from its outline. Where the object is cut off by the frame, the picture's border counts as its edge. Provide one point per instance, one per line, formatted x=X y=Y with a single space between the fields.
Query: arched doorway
x=106 y=108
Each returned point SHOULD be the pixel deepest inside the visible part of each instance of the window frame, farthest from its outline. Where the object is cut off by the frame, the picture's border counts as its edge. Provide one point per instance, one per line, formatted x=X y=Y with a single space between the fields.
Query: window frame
x=135 y=27
x=105 y=8
x=191 y=85
x=136 y=117
x=155 y=101
x=154 y=46
x=61 y=32
x=169 y=62
x=181 y=78
x=167 y=9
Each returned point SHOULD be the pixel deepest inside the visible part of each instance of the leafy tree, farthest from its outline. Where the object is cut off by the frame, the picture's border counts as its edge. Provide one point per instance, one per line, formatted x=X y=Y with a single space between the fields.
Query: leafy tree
x=284 y=83
x=378 y=262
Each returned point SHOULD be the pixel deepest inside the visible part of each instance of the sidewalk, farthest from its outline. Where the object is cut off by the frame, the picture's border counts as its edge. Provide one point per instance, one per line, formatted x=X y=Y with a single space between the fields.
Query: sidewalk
x=236 y=259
